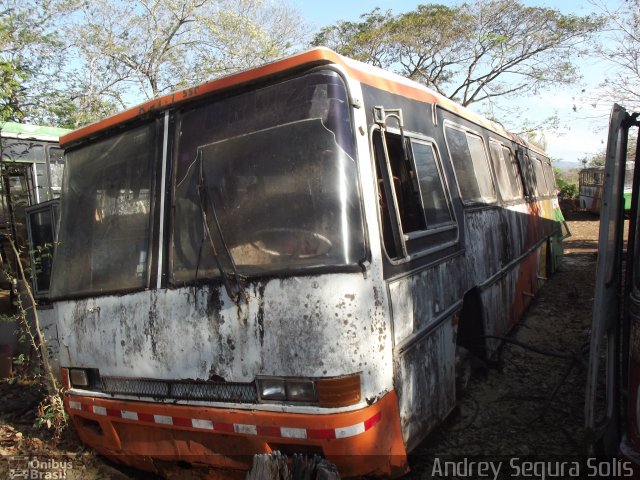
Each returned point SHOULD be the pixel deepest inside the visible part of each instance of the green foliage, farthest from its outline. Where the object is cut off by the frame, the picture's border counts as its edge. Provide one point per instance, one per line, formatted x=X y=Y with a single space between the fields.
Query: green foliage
x=67 y=63
x=469 y=52
x=30 y=53
x=568 y=189
x=20 y=359
x=52 y=416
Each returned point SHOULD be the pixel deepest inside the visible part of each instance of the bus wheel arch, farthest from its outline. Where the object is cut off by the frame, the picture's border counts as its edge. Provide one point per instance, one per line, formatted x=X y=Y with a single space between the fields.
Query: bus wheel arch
x=471 y=347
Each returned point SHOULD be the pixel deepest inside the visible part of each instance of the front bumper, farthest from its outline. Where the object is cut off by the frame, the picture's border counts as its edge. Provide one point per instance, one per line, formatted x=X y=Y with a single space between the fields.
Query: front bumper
x=145 y=435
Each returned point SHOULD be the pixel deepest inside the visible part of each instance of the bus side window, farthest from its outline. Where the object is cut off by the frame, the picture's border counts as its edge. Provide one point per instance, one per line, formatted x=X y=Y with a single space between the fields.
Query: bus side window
x=55 y=159
x=405 y=185
x=531 y=187
x=550 y=177
x=540 y=180
x=416 y=180
x=515 y=176
x=432 y=191
x=471 y=166
x=501 y=168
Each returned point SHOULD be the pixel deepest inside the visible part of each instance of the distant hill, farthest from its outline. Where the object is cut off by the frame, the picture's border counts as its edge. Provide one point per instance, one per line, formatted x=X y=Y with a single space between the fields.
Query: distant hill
x=567 y=165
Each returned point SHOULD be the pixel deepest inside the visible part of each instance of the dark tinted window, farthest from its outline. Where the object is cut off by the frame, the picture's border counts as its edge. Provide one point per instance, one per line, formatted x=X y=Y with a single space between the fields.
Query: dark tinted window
x=266 y=182
x=105 y=216
x=471 y=166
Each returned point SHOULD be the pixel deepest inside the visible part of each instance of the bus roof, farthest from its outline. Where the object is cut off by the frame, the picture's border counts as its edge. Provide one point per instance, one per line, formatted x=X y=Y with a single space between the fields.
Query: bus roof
x=359 y=71
x=31 y=132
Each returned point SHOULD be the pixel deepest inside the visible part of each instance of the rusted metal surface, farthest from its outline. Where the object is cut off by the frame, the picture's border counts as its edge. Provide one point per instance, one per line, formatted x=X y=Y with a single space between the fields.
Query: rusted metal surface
x=498 y=258
x=338 y=325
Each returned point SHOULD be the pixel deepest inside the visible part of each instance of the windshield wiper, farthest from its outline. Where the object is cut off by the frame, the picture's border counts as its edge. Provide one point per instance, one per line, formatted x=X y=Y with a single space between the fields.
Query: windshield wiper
x=233 y=287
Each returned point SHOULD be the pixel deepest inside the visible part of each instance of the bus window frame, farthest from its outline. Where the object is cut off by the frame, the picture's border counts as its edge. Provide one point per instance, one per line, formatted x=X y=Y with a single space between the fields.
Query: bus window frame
x=410 y=254
x=509 y=163
x=547 y=170
x=541 y=181
x=488 y=165
x=528 y=175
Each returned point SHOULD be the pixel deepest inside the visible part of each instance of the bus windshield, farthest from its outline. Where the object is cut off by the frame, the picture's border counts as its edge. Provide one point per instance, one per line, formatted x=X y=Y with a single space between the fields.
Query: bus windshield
x=103 y=238
x=267 y=180
x=264 y=182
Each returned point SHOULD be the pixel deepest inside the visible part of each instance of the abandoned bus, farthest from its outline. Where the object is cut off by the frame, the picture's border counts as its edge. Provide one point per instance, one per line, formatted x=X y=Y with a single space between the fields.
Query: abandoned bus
x=30 y=181
x=591 y=185
x=288 y=259
x=31 y=169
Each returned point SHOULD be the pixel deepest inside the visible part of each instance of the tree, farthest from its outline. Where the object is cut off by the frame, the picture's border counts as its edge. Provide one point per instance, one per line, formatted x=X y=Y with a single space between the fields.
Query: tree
x=567 y=187
x=70 y=62
x=473 y=52
x=137 y=50
x=620 y=48
x=29 y=52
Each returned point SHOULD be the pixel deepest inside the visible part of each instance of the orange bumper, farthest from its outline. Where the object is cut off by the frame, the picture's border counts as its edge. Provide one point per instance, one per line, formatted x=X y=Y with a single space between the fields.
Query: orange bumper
x=145 y=435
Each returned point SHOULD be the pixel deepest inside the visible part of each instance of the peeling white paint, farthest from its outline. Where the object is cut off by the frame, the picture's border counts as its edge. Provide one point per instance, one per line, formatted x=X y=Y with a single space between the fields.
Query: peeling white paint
x=319 y=326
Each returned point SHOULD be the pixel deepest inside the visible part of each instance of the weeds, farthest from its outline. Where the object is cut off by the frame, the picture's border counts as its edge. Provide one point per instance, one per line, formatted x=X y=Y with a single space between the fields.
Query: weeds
x=51 y=414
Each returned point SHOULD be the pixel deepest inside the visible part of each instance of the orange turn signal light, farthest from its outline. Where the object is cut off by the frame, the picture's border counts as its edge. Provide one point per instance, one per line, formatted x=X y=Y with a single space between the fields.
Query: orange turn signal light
x=339 y=391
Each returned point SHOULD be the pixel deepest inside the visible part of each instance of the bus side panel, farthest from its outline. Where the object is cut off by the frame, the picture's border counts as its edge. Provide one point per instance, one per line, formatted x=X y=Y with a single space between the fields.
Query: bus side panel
x=488 y=245
x=499 y=307
x=590 y=198
x=505 y=301
x=425 y=375
x=424 y=333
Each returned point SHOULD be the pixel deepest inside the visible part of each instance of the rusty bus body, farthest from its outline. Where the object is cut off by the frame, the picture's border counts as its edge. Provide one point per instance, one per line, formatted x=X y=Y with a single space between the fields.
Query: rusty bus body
x=286 y=259
x=591 y=185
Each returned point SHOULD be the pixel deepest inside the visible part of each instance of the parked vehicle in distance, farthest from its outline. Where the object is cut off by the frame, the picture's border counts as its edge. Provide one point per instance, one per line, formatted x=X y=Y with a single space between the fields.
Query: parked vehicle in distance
x=591 y=185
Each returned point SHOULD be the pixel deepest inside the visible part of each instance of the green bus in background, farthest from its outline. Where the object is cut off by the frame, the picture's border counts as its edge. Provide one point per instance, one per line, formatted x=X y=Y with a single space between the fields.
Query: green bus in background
x=30 y=183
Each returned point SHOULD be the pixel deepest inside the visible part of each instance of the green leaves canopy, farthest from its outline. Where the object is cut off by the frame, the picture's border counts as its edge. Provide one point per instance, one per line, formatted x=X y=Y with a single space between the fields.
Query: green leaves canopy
x=472 y=52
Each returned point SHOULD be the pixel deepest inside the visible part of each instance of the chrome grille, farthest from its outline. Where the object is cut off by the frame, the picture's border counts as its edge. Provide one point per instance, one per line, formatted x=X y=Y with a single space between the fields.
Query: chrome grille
x=181 y=390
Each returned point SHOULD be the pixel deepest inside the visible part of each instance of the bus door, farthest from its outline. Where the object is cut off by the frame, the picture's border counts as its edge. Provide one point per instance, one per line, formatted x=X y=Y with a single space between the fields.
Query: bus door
x=18 y=183
x=602 y=404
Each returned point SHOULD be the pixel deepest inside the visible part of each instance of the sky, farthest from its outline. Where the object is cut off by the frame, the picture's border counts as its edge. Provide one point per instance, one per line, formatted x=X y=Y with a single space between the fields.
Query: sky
x=582 y=130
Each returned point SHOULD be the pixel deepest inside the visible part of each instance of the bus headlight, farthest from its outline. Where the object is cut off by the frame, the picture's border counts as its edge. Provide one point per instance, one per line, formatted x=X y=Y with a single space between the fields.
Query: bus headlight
x=301 y=391
x=325 y=392
x=86 y=378
x=271 y=389
x=78 y=377
x=286 y=389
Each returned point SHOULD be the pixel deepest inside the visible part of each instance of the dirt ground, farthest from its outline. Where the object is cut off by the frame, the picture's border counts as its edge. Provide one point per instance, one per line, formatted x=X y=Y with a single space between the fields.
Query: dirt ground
x=530 y=403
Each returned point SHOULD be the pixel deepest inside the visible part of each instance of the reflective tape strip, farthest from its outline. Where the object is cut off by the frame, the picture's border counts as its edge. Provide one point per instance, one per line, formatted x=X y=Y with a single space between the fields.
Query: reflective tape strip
x=351 y=431
x=293 y=432
x=129 y=415
x=240 y=428
x=163 y=419
x=206 y=424
x=246 y=429
x=100 y=410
